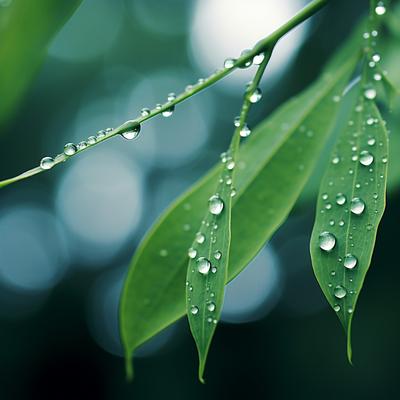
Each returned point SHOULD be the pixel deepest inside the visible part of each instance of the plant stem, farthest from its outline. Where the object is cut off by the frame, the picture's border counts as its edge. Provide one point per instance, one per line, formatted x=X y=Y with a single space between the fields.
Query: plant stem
x=264 y=46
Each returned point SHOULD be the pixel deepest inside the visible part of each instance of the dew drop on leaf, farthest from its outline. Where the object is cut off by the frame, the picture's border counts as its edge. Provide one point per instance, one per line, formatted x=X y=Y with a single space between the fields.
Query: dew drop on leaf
x=211 y=306
x=339 y=292
x=215 y=205
x=217 y=255
x=357 y=206
x=327 y=241
x=200 y=238
x=340 y=199
x=192 y=253
x=370 y=93
x=245 y=131
x=47 y=163
x=194 y=310
x=229 y=63
x=203 y=265
x=350 y=261
x=366 y=158
x=70 y=149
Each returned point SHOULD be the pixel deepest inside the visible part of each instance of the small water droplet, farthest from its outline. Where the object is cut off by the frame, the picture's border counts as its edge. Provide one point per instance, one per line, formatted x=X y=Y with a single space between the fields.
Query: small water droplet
x=217 y=255
x=327 y=241
x=256 y=96
x=101 y=135
x=171 y=96
x=211 y=306
x=371 y=142
x=384 y=160
x=214 y=270
x=325 y=196
x=230 y=165
x=82 y=145
x=350 y=261
x=336 y=307
x=203 y=265
x=70 y=149
x=192 y=253
x=47 y=163
x=236 y=121
x=245 y=131
x=377 y=77
x=144 y=112
x=341 y=223
x=376 y=58
x=215 y=205
x=132 y=133
x=258 y=59
x=91 y=140
x=335 y=160
x=339 y=291
x=340 y=199
x=229 y=63
x=366 y=158
x=194 y=310
x=350 y=310
x=336 y=99
x=200 y=238
x=233 y=192
x=357 y=206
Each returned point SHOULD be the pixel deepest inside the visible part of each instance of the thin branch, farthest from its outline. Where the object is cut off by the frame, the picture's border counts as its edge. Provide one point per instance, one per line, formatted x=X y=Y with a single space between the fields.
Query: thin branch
x=130 y=129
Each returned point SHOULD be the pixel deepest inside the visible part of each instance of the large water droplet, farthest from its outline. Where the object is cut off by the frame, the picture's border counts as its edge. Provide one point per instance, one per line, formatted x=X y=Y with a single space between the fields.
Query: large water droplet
x=258 y=59
x=255 y=97
x=380 y=9
x=47 y=163
x=350 y=261
x=366 y=158
x=357 y=206
x=245 y=131
x=203 y=265
x=229 y=63
x=339 y=292
x=327 y=241
x=133 y=133
x=70 y=149
x=215 y=205
x=211 y=306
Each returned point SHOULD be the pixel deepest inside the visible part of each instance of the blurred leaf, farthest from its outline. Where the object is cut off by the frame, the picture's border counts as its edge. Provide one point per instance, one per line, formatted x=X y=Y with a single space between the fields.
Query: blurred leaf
x=272 y=168
x=350 y=206
x=26 y=28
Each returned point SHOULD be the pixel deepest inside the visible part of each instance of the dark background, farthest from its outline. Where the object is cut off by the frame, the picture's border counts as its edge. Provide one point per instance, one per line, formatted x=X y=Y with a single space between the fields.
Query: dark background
x=66 y=237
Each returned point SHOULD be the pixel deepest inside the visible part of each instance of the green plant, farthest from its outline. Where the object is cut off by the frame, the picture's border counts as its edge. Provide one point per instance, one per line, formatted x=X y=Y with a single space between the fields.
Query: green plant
x=218 y=219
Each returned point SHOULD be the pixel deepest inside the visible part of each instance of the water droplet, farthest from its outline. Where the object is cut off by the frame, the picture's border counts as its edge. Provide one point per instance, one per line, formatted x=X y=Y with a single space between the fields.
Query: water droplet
x=248 y=62
x=168 y=112
x=350 y=261
x=339 y=291
x=217 y=255
x=341 y=223
x=233 y=192
x=82 y=145
x=377 y=77
x=215 y=205
x=144 y=112
x=336 y=307
x=335 y=160
x=357 y=206
x=47 y=163
x=376 y=58
x=384 y=160
x=70 y=149
x=245 y=131
x=370 y=93
x=380 y=9
x=371 y=142
x=236 y=121
x=229 y=63
x=133 y=133
x=194 y=310
x=340 y=199
x=101 y=135
x=213 y=270
x=366 y=158
x=192 y=253
x=256 y=96
x=336 y=99
x=258 y=59
x=171 y=96
x=203 y=265
x=211 y=306
x=325 y=196
x=91 y=140
x=108 y=130
x=350 y=310
x=328 y=206
x=327 y=241
x=200 y=238
x=230 y=165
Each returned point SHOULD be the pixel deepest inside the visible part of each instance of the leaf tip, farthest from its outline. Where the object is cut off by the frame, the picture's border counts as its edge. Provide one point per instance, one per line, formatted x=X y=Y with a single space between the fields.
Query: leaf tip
x=349 y=349
x=129 y=367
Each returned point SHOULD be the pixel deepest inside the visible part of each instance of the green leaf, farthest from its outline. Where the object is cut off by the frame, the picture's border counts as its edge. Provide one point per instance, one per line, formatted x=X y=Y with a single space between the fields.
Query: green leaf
x=272 y=168
x=26 y=28
x=207 y=271
x=350 y=206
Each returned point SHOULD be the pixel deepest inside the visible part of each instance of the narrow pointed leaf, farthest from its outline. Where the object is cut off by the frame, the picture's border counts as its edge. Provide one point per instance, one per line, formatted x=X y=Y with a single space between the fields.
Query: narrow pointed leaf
x=272 y=169
x=350 y=206
x=207 y=271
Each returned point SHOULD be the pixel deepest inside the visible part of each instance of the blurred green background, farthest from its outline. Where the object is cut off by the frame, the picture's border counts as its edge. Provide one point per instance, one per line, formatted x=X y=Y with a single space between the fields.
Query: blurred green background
x=66 y=237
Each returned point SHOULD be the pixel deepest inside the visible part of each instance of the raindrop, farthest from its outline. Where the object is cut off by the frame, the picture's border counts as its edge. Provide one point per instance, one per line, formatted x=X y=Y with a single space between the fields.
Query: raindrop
x=101 y=134
x=384 y=160
x=144 y=112
x=230 y=165
x=357 y=206
x=215 y=205
x=258 y=59
x=192 y=253
x=366 y=158
x=335 y=160
x=370 y=93
x=327 y=241
x=336 y=307
x=200 y=238
x=82 y=145
x=233 y=192
x=256 y=96
x=168 y=112
x=380 y=9
x=377 y=77
x=325 y=196
x=203 y=265
x=350 y=310
x=133 y=133
x=371 y=142
x=217 y=255
x=194 y=310
x=47 y=163
x=339 y=292
x=340 y=199
x=211 y=306
x=341 y=223
x=91 y=140
x=350 y=261
x=248 y=62
x=229 y=63
x=70 y=149
x=236 y=121
x=376 y=58
x=171 y=96
x=245 y=131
